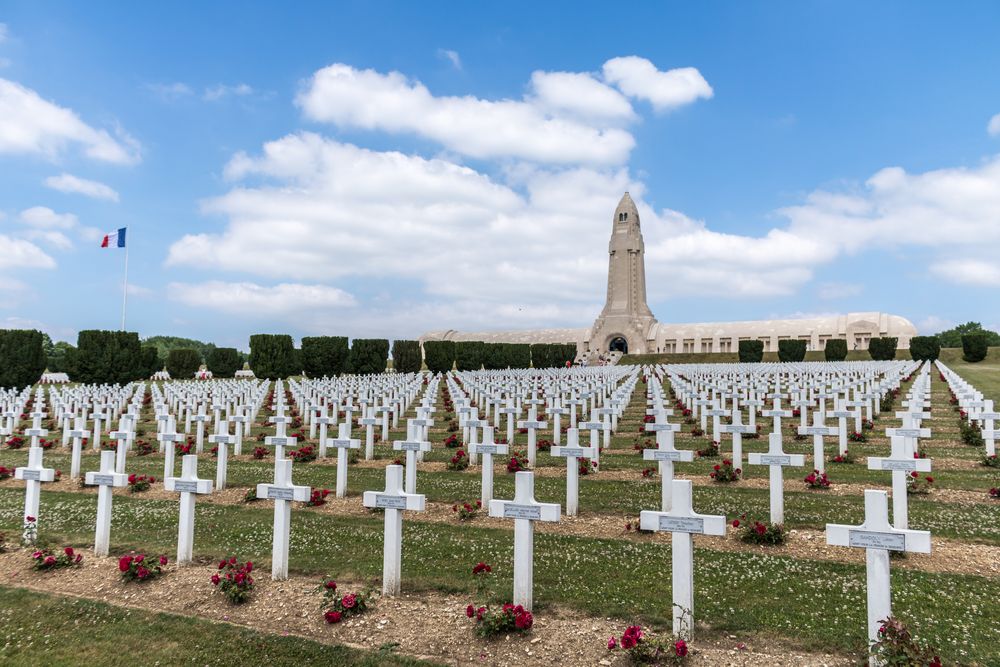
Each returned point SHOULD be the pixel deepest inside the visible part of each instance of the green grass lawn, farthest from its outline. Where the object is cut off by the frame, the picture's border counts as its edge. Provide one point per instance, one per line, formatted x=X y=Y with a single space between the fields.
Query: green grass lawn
x=39 y=629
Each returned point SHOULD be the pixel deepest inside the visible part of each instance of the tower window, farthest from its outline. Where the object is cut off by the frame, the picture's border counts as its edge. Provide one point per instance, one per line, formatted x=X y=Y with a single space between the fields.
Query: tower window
x=622 y=217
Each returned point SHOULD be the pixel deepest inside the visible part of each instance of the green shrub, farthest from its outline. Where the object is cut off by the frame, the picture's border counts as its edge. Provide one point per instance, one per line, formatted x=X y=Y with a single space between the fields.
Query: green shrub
x=182 y=364
x=563 y=352
x=835 y=349
x=494 y=357
x=469 y=355
x=22 y=357
x=369 y=355
x=751 y=351
x=925 y=348
x=223 y=362
x=151 y=361
x=406 y=356
x=325 y=356
x=439 y=355
x=518 y=355
x=882 y=349
x=791 y=350
x=272 y=356
x=974 y=347
x=112 y=357
x=953 y=337
x=57 y=358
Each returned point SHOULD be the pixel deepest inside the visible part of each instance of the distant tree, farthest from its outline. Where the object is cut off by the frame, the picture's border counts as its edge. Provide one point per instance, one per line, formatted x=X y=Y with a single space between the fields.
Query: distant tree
x=883 y=348
x=182 y=363
x=751 y=351
x=57 y=360
x=791 y=350
x=469 y=355
x=272 y=356
x=953 y=337
x=151 y=361
x=166 y=343
x=22 y=357
x=439 y=355
x=106 y=357
x=835 y=349
x=224 y=362
x=325 y=356
x=974 y=347
x=406 y=356
x=925 y=348
x=369 y=355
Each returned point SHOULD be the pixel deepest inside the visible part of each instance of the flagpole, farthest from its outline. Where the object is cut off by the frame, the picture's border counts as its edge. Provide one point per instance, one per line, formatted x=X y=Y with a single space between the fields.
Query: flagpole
x=125 y=287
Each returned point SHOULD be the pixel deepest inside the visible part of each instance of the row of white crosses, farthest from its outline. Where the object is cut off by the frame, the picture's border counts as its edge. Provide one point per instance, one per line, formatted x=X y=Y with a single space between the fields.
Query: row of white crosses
x=978 y=410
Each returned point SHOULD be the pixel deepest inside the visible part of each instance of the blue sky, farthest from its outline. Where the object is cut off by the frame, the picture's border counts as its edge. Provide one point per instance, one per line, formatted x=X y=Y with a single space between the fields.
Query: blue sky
x=384 y=169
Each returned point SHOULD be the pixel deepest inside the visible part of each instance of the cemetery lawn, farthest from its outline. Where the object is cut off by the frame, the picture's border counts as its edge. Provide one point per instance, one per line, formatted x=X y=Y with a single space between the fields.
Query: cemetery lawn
x=39 y=628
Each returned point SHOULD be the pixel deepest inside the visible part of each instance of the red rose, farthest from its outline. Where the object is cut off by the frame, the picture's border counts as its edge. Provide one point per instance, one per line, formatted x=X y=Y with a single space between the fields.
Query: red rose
x=470 y=611
x=523 y=621
x=68 y=551
x=348 y=601
x=163 y=561
x=680 y=648
x=736 y=523
x=123 y=563
x=612 y=643
x=332 y=616
x=331 y=585
x=216 y=579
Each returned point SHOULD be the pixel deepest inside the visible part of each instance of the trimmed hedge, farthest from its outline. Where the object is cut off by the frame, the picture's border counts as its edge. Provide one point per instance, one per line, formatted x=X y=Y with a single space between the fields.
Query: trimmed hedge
x=791 y=350
x=835 y=349
x=563 y=352
x=925 y=348
x=107 y=357
x=22 y=357
x=223 y=362
x=541 y=355
x=325 y=356
x=151 y=361
x=882 y=349
x=272 y=356
x=751 y=351
x=183 y=363
x=974 y=347
x=406 y=356
x=439 y=355
x=469 y=355
x=369 y=355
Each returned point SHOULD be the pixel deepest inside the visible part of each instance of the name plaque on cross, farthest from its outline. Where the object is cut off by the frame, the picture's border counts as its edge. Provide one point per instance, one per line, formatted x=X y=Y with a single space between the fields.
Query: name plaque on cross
x=277 y=493
x=491 y=449
x=868 y=539
x=574 y=452
x=103 y=480
x=678 y=524
x=775 y=460
x=663 y=455
x=27 y=474
x=889 y=464
x=908 y=432
x=390 y=502
x=512 y=511
x=408 y=445
x=814 y=430
x=280 y=441
x=182 y=486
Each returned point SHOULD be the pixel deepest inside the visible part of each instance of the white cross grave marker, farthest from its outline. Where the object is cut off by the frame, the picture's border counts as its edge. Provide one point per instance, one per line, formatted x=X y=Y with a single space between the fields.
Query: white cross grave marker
x=105 y=480
x=666 y=454
x=817 y=431
x=33 y=475
x=901 y=462
x=343 y=442
x=394 y=501
x=683 y=522
x=776 y=459
x=189 y=485
x=878 y=538
x=282 y=492
x=221 y=439
x=411 y=446
x=488 y=448
x=525 y=510
x=573 y=452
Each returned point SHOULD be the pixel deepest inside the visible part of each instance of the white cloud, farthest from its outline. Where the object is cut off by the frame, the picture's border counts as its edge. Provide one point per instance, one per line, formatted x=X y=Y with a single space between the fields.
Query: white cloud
x=138 y=291
x=639 y=78
x=580 y=95
x=452 y=57
x=831 y=291
x=21 y=254
x=250 y=299
x=993 y=127
x=34 y=125
x=49 y=237
x=219 y=91
x=42 y=217
x=72 y=184
x=933 y=324
x=979 y=273
x=366 y=99
x=170 y=92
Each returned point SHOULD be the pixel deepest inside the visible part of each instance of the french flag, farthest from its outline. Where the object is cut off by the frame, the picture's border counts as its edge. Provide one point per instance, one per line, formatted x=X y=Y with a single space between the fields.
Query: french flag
x=114 y=239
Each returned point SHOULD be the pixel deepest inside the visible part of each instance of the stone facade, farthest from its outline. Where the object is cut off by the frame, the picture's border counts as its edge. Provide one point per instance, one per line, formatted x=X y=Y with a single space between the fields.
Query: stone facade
x=627 y=325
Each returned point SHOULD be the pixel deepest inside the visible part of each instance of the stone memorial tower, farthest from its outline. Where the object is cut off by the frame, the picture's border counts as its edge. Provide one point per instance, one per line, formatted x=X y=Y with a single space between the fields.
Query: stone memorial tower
x=626 y=320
